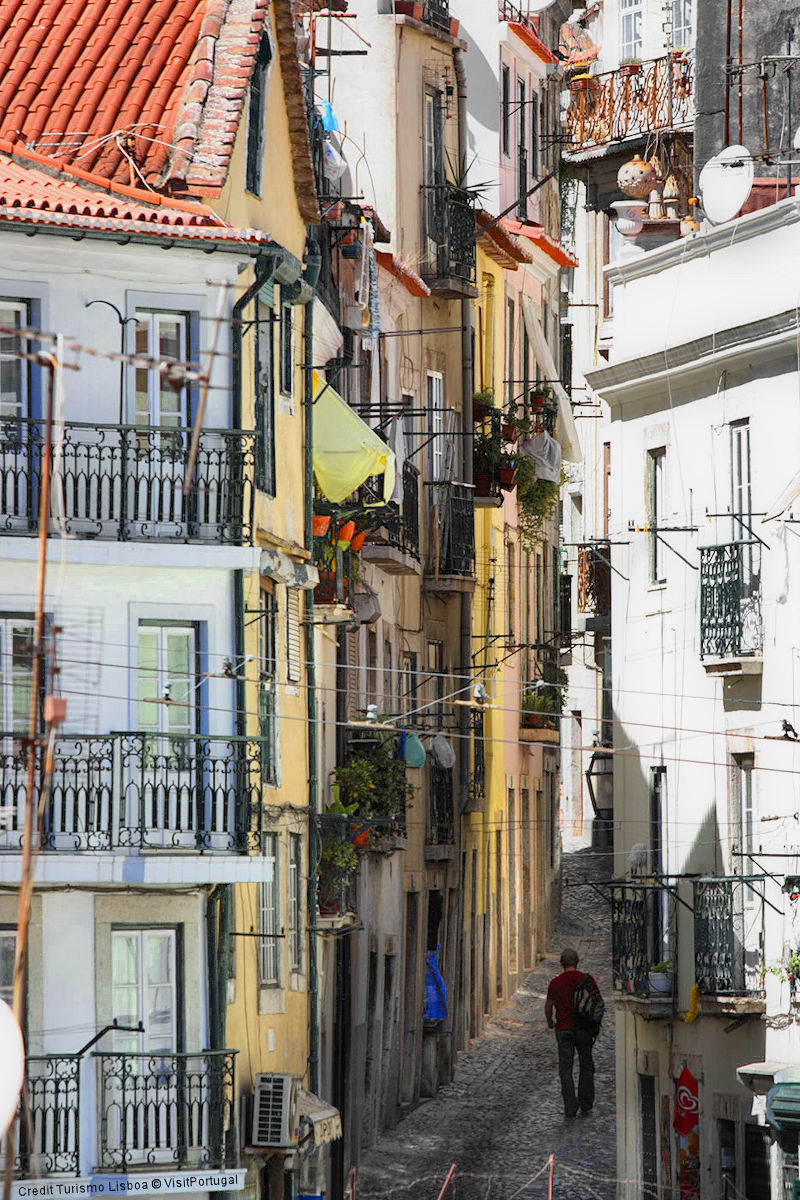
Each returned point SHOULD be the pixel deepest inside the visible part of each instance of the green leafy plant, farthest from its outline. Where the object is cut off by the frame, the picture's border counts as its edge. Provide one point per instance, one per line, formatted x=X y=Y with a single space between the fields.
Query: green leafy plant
x=338 y=858
x=373 y=780
x=630 y=62
x=458 y=169
x=486 y=452
x=662 y=968
x=537 y=499
x=546 y=699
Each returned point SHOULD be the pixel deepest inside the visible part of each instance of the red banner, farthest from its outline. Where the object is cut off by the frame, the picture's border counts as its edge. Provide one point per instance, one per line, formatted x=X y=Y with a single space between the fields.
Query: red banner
x=687 y=1107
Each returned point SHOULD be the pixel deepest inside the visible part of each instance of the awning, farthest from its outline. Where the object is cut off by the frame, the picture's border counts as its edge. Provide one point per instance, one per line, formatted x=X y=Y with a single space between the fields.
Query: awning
x=326 y=1123
x=346 y=450
x=759 y=1076
x=783 y=1106
x=566 y=431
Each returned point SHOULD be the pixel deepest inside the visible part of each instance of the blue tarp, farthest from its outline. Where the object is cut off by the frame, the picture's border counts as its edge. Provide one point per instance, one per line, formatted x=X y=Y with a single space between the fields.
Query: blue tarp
x=435 y=994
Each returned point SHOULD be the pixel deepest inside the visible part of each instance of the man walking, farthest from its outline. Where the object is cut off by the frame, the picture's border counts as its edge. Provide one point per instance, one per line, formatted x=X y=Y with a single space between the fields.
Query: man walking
x=571 y=1035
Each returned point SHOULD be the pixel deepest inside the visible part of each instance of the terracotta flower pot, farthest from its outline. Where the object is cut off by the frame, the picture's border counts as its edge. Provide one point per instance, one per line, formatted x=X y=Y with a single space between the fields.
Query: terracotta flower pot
x=409 y=8
x=320 y=525
x=510 y=432
x=358 y=541
x=344 y=534
x=483 y=484
x=454 y=24
x=508 y=478
x=630 y=69
x=579 y=84
x=360 y=838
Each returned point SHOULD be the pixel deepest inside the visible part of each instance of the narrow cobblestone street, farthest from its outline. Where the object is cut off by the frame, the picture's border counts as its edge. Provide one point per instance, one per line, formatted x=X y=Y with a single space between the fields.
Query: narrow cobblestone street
x=501 y=1117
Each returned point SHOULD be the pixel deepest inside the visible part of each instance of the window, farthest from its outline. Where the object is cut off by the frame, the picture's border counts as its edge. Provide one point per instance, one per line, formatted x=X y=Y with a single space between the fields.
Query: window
x=511 y=591
x=534 y=159
x=268 y=686
x=630 y=29
x=292 y=634
x=295 y=904
x=287 y=350
x=265 y=399
x=388 y=678
x=411 y=702
x=168 y=671
x=372 y=666
x=656 y=510
x=511 y=387
x=433 y=166
x=8 y=945
x=257 y=117
x=521 y=142
x=647 y=1117
x=163 y=336
x=143 y=985
x=269 y=915
x=436 y=426
x=742 y=805
x=741 y=499
x=682 y=24
x=606 y=488
x=435 y=688
x=505 y=106
x=14 y=371
x=16 y=668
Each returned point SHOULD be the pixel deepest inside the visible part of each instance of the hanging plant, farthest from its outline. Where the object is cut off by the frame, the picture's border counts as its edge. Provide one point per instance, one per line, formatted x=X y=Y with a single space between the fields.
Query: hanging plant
x=537 y=499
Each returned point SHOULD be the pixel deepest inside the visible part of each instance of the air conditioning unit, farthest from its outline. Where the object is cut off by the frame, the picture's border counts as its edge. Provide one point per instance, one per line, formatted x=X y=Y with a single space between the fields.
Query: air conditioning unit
x=275 y=1112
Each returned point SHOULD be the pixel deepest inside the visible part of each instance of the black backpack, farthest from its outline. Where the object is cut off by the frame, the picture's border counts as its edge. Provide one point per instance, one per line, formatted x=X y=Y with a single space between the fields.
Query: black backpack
x=588 y=1006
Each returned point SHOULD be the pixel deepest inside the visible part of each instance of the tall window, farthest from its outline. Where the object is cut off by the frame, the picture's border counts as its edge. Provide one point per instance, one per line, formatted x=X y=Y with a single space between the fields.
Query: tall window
x=8 y=943
x=167 y=682
x=16 y=667
x=14 y=371
x=433 y=165
x=742 y=769
x=268 y=686
x=656 y=510
x=144 y=988
x=505 y=108
x=630 y=28
x=163 y=336
x=265 y=399
x=269 y=913
x=388 y=677
x=741 y=500
x=511 y=591
x=257 y=118
x=410 y=682
x=534 y=158
x=511 y=385
x=436 y=688
x=647 y=1117
x=372 y=666
x=295 y=902
x=436 y=426
x=682 y=24
x=287 y=350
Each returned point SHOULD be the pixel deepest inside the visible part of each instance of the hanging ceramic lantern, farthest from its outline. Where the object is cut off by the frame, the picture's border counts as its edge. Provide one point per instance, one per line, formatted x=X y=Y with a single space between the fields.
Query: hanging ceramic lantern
x=636 y=178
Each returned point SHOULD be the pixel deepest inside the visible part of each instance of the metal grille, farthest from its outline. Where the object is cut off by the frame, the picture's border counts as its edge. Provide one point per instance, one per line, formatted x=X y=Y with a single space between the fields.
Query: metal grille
x=125 y=482
x=440 y=806
x=629 y=957
x=522 y=181
x=478 y=777
x=728 y=936
x=452 y=529
x=49 y=1142
x=270 y=1101
x=730 y=600
x=450 y=225
x=594 y=579
x=617 y=104
x=436 y=13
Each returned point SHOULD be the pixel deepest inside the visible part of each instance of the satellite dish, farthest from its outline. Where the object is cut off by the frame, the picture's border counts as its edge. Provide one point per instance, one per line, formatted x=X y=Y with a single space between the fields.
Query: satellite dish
x=12 y=1056
x=725 y=183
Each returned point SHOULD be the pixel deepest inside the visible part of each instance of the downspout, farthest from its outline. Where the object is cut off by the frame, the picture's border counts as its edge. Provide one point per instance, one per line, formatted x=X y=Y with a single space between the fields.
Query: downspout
x=311 y=701
x=466 y=597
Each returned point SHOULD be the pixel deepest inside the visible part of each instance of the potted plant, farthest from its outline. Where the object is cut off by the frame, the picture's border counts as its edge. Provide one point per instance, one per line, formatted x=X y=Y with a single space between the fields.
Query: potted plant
x=659 y=977
x=482 y=403
x=543 y=703
x=579 y=83
x=537 y=499
x=338 y=863
x=540 y=395
x=629 y=67
x=507 y=472
x=486 y=460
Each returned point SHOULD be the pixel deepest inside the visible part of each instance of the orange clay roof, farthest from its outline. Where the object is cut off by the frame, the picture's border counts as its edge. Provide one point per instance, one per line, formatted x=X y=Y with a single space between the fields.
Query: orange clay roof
x=499 y=242
x=134 y=90
x=409 y=279
x=552 y=248
x=34 y=193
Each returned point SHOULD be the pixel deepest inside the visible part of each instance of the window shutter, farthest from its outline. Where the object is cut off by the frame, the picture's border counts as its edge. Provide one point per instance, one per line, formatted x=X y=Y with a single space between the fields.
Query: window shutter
x=351 y=694
x=293 y=634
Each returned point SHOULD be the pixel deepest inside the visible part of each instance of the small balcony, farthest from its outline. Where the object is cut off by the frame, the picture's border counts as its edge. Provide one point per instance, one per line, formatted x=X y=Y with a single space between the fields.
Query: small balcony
x=449 y=266
x=394 y=545
x=440 y=824
x=522 y=184
x=156 y=1109
x=450 y=560
x=636 y=101
x=731 y=628
x=728 y=944
x=477 y=775
x=594 y=585
x=437 y=14
x=643 y=935
x=138 y=791
x=125 y=483
x=337 y=872
x=372 y=777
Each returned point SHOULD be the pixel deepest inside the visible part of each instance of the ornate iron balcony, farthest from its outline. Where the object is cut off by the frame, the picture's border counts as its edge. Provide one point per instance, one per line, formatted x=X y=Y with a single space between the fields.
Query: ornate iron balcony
x=440 y=824
x=399 y=526
x=125 y=482
x=174 y=1110
x=436 y=13
x=450 y=229
x=477 y=787
x=643 y=932
x=138 y=790
x=594 y=578
x=378 y=784
x=729 y=936
x=627 y=103
x=730 y=600
x=451 y=546
x=337 y=879
x=522 y=181
x=49 y=1141
x=514 y=15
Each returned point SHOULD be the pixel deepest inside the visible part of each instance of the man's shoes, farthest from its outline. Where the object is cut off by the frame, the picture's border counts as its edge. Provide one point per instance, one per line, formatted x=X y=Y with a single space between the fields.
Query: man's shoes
x=571 y=1113
x=585 y=1110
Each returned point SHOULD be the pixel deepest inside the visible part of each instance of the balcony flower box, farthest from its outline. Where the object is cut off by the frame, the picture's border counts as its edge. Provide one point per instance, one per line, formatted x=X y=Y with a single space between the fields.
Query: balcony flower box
x=628 y=69
x=483 y=484
x=579 y=83
x=508 y=478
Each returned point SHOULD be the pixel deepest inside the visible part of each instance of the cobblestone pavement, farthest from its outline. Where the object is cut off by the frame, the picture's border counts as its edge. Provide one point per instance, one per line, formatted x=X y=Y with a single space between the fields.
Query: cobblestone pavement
x=502 y=1116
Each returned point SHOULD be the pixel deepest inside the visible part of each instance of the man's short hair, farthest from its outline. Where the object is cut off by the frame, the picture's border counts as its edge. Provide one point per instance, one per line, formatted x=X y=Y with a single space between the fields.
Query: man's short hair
x=569 y=958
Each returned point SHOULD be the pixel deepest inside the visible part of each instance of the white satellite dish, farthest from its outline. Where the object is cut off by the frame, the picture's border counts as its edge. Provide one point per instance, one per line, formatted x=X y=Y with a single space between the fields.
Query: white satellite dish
x=12 y=1056
x=725 y=183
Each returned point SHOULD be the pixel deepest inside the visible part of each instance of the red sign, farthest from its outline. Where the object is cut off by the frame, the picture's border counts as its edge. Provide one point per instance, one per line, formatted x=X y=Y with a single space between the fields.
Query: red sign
x=687 y=1107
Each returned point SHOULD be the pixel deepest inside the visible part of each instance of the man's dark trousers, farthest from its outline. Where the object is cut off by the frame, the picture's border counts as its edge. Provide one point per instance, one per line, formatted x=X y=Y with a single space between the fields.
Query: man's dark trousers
x=570 y=1040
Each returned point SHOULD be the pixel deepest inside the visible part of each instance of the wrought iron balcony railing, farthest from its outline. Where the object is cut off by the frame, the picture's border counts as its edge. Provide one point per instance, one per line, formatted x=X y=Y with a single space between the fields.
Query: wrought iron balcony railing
x=166 y=1109
x=440 y=823
x=125 y=482
x=729 y=936
x=522 y=183
x=138 y=790
x=478 y=774
x=372 y=774
x=47 y=1140
x=450 y=229
x=730 y=600
x=487 y=445
x=337 y=882
x=451 y=546
x=643 y=932
x=507 y=11
x=399 y=527
x=594 y=578
x=627 y=103
x=436 y=13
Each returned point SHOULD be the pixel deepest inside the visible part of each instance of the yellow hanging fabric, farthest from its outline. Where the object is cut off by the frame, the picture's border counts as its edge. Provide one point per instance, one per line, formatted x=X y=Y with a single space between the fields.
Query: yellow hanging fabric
x=346 y=450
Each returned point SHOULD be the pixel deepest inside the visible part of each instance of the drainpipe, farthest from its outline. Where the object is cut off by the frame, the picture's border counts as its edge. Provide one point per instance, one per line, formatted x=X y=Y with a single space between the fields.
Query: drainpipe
x=311 y=695
x=466 y=597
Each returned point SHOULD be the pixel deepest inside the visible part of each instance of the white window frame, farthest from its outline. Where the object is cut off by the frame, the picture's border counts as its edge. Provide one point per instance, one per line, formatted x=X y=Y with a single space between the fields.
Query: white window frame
x=151 y=320
x=8 y=936
x=295 y=905
x=631 y=20
x=10 y=346
x=8 y=673
x=657 y=510
x=682 y=24
x=142 y=1043
x=436 y=423
x=269 y=917
x=154 y=683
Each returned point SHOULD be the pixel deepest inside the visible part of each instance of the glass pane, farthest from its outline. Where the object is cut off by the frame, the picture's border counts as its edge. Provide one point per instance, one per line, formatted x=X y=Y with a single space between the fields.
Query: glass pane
x=126 y=1005
x=7 y=944
x=13 y=371
x=159 y=958
x=142 y=415
x=124 y=958
x=148 y=679
x=21 y=669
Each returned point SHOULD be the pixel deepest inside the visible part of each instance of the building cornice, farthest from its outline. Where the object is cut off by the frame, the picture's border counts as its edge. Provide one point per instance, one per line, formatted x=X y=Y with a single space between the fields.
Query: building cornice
x=687 y=364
